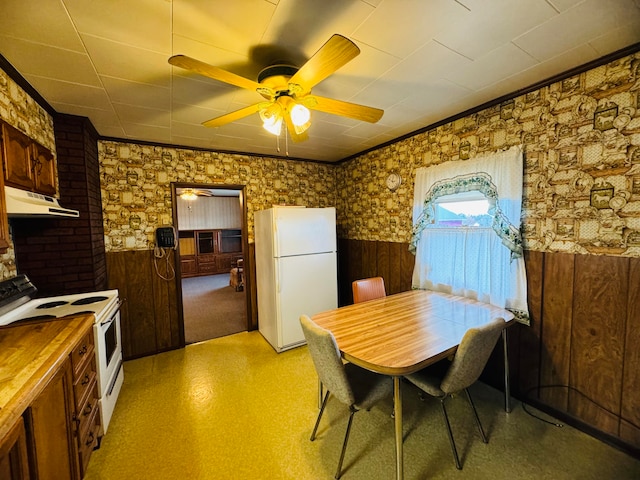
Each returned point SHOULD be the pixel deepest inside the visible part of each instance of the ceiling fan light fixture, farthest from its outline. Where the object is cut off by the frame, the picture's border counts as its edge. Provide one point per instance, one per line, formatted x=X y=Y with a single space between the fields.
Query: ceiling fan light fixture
x=300 y=115
x=271 y=117
x=188 y=194
x=273 y=125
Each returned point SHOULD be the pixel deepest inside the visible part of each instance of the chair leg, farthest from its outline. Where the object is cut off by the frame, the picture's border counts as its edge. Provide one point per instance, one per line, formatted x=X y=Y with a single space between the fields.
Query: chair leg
x=475 y=414
x=352 y=412
x=453 y=444
x=324 y=404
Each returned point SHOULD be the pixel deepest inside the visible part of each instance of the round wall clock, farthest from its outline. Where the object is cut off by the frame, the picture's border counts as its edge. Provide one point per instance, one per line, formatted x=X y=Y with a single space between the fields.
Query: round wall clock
x=393 y=181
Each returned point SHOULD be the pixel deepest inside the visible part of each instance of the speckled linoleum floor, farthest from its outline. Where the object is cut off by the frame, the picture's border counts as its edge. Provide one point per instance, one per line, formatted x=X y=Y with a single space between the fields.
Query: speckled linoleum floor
x=231 y=408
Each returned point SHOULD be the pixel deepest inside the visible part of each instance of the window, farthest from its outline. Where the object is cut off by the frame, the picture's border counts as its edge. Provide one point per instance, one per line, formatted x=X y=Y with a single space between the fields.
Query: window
x=468 y=209
x=466 y=230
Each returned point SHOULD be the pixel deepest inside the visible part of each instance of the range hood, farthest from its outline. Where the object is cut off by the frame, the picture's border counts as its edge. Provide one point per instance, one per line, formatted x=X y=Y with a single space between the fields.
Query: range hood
x=21 y=203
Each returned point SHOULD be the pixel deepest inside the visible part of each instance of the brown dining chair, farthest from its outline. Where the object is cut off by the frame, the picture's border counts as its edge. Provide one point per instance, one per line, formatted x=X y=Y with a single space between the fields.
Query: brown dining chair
x=368 y=289
x=465 y=369
x=354 y=386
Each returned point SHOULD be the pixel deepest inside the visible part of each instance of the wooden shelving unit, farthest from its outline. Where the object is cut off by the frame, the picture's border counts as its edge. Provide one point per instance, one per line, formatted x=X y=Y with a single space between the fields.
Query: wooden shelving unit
x=208 y=252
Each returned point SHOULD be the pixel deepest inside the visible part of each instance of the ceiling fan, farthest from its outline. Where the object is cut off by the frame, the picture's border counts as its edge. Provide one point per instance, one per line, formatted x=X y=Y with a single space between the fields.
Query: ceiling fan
x=287 y=90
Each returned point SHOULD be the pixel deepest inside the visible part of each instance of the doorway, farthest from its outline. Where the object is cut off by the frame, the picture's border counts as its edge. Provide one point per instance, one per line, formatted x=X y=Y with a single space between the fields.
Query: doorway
x=211 y=224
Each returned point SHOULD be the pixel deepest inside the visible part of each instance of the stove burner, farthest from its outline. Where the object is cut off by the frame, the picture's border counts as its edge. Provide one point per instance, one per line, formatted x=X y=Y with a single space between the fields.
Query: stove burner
x=55 y=303
x=84 y=312
x=37 y=317
x=88 y=300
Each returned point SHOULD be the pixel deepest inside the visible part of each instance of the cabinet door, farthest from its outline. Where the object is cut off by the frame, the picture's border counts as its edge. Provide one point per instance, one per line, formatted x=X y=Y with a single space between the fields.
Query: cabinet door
x=188 y=266
x=224 y=263
x=206 y=242
x=44 y=167
x=230 y=241
x=17 y=153
x=4 y=221
x=51 y=428
x=14 y=464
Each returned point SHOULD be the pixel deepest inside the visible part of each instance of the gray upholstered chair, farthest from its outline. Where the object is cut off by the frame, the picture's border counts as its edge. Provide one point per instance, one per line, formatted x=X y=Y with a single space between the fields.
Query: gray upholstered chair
x=465 y=369
x=354 y=386
x=368 y=289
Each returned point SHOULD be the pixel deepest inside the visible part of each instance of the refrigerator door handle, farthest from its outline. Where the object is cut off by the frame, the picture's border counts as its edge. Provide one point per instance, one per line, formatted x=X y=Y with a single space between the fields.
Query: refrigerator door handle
x=278 y=279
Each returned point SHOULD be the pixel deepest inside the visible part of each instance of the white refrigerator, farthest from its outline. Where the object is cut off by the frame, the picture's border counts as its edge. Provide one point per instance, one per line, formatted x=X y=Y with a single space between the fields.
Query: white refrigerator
x=296 y=270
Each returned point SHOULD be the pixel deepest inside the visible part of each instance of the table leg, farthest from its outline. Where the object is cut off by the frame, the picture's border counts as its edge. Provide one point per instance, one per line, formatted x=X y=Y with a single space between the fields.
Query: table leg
x=397 y=410
x=507 y=389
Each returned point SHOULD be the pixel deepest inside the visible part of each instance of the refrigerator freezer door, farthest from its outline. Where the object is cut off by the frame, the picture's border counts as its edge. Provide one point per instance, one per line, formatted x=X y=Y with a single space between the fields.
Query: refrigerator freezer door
x=303 y=231
x=306 y=285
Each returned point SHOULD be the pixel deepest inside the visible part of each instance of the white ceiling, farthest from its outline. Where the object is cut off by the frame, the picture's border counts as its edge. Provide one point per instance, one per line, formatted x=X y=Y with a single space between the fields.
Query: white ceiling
x=421 y=61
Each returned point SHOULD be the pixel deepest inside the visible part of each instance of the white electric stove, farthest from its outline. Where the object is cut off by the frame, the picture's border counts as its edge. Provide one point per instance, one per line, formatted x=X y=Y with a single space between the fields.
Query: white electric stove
x=17 y=306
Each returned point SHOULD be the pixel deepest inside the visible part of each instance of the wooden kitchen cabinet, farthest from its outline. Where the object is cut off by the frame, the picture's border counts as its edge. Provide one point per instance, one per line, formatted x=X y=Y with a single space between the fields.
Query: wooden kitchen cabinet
x=27 y=164
x=209 y=252
x=44 y=166
x=14 y=463
x=51 y=431
x=4 y=220
x=85 y=394
x=53 y=389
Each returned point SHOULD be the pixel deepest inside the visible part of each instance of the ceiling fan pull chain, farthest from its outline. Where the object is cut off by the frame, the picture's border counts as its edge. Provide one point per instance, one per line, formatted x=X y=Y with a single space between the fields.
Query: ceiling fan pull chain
x=278 y=143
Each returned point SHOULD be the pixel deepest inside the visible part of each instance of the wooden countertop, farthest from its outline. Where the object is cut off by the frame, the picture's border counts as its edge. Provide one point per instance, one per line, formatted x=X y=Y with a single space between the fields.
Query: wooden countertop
x=30 y=355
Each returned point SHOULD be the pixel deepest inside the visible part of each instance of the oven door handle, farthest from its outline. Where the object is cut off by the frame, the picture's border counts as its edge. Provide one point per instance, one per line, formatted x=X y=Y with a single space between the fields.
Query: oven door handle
x=115 y=378
x=113 y=315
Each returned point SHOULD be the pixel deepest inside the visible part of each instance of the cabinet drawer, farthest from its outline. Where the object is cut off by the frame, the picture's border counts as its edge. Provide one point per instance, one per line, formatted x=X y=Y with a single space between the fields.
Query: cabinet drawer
x=86 y=411
x=206 y=258
x=83 y=383
x=82 y=353
x=89 y=441
x=207 y=267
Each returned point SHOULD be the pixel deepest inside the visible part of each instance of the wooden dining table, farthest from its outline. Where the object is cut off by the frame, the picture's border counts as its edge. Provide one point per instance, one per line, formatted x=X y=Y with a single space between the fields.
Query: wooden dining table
x=400 y=334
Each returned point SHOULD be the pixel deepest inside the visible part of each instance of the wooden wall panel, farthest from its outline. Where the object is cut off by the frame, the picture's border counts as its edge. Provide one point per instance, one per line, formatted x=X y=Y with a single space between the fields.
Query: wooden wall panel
x=149 y=316
x=165 y=306
x=407 y=263
x=141 y=302
x=369 y=259
x=383 y=258
x=396 y=273
x=598 y=335
x=362 y=259
x=556 y=328
x=529 y=338
x=251 y=287
x=630 y=408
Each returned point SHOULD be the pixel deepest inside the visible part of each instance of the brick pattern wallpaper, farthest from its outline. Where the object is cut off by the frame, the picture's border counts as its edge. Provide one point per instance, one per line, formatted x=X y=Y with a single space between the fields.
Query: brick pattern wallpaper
x=136 y=186
x=581 y=140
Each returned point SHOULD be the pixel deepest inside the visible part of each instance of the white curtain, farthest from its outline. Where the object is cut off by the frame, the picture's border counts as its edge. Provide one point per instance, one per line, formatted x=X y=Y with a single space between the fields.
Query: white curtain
x=481 y=263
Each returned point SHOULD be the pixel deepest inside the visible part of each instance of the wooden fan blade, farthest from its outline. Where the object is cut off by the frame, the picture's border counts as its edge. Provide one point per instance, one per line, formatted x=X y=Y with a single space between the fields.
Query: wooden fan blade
x=233 y=116
x=216 y=73
x=335 y=53
x=344 y=109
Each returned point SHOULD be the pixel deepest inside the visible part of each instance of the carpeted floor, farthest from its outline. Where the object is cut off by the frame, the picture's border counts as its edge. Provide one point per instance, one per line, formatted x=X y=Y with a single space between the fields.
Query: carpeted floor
x=212 y=308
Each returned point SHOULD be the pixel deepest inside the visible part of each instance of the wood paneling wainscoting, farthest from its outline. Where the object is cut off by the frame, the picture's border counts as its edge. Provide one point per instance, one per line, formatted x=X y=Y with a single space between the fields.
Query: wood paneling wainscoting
x=580 y=357
x=362 y=259
x=151 y=315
